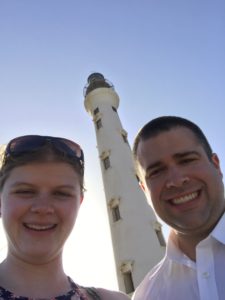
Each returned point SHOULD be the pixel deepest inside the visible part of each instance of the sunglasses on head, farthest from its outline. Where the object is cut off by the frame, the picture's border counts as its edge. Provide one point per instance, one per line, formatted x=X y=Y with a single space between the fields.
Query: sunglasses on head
x=32 y=143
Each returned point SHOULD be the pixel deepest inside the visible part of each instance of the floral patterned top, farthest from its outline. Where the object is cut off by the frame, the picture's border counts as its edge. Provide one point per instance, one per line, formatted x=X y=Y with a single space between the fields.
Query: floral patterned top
x=74 y=294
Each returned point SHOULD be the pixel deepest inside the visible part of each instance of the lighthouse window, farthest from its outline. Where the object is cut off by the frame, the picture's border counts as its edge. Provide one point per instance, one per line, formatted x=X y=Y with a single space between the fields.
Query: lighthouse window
x=114 y=109
x=116 y=213
x=128 y=282
x=124 y=138
x=124 y=135
x=96 y=111
x=137 y=177
x=106 y=162
x=99 y=123
x=160 y=237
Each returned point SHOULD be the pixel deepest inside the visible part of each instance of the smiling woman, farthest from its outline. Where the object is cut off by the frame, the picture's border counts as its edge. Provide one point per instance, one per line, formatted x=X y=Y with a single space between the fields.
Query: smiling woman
x=41 y=190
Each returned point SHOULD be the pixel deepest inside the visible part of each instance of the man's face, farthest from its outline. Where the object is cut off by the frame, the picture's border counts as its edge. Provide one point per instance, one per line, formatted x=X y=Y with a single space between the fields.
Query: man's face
x=185 y=187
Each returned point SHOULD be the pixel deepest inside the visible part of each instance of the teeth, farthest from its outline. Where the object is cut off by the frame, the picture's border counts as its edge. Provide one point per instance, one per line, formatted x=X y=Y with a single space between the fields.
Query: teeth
x=185 y=199
x=39 y=227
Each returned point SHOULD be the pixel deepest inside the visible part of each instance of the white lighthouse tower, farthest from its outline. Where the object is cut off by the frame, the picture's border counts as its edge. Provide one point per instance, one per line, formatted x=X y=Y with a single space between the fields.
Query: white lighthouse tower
x=137 y=239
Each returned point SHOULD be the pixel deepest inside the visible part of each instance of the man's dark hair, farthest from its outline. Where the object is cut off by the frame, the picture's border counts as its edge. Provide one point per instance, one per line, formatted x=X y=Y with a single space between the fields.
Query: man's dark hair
x=165 y=123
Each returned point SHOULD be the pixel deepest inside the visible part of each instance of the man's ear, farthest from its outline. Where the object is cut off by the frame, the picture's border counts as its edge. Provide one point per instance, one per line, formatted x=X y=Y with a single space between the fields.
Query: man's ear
x=216 y=162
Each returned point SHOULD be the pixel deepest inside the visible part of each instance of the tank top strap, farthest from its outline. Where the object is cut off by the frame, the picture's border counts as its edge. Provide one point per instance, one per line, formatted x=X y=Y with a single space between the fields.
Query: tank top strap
x=92 y=292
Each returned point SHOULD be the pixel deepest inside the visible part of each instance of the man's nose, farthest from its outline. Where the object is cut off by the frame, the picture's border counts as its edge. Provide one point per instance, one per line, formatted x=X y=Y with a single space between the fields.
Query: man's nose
x=176 y=178
x=43 y=205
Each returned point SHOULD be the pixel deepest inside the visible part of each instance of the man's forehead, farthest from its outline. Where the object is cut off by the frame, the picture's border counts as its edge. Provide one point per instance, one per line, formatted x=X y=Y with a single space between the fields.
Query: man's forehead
x=167 y=143
x=182 y=133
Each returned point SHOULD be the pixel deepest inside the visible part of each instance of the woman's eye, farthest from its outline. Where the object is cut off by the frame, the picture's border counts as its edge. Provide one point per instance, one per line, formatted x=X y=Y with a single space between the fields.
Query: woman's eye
x=24 y=192
x=63 y=194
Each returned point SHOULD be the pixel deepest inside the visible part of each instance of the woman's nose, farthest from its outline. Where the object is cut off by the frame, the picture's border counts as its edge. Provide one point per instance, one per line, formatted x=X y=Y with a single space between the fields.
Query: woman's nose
x=42 y=205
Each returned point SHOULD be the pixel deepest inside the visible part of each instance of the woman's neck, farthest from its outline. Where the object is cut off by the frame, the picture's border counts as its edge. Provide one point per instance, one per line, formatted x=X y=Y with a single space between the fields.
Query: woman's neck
x=44 y=280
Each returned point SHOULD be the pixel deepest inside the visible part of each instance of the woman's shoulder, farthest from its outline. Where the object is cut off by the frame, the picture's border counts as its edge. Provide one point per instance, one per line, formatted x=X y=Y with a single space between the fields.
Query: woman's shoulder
x=104 y=294
x=111 y=295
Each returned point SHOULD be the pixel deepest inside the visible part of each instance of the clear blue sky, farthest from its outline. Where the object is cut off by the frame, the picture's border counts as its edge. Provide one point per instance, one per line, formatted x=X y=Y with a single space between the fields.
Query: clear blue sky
x=163 y=57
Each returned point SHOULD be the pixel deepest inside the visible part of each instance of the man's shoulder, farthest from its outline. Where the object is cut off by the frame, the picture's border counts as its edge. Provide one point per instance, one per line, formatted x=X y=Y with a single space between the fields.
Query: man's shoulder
x=157 y=269
x=155 y=274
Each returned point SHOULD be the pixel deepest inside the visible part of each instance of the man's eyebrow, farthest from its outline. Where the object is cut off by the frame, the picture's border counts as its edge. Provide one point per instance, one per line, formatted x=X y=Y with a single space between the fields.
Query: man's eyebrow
x=154 y=165
x=158 y=164
x=185 y=154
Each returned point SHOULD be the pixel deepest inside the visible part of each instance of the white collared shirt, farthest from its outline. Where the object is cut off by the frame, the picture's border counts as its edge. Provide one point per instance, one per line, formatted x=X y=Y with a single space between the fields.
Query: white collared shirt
x=177 y=277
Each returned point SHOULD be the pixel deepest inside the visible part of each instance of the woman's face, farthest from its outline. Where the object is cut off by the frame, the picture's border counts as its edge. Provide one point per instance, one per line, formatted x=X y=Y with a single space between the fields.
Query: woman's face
x=39 y=206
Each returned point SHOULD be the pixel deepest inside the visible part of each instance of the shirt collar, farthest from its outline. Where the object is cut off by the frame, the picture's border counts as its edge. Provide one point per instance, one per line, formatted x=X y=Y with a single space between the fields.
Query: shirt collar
x=218 y=231
x=173 y=252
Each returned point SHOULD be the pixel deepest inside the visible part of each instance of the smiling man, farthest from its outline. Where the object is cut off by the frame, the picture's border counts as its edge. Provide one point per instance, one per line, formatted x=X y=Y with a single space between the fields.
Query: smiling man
x=182 y=178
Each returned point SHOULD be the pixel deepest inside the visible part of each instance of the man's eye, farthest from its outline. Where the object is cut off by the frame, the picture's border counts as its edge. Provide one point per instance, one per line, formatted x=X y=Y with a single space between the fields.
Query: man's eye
x=188 y=160
x=153 y=173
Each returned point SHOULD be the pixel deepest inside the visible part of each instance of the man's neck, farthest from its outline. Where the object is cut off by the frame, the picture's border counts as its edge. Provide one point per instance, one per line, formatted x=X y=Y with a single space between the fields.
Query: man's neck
x=187 y=243
x=188 y=246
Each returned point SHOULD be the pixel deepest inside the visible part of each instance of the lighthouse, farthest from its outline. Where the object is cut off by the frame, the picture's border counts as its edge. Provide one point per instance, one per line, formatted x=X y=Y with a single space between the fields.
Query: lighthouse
x=137 y=239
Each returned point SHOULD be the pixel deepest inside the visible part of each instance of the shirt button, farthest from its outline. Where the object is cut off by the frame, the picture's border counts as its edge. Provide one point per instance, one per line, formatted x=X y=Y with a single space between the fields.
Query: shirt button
x=205 y=275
